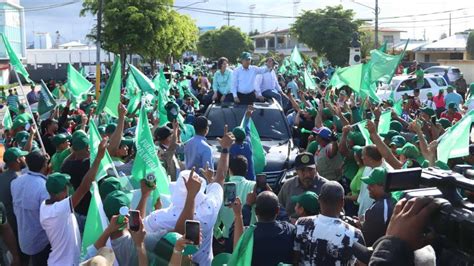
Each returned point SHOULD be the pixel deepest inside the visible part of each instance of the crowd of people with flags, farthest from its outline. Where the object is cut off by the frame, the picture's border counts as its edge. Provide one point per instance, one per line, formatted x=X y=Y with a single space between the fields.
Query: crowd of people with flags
x=76 y=171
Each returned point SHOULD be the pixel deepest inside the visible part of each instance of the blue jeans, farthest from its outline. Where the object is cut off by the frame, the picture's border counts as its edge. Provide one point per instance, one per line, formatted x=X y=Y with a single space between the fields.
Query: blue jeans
x=274 y=95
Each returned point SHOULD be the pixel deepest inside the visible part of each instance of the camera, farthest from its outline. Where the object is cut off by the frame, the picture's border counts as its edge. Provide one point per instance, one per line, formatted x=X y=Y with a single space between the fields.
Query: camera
x=453 y=224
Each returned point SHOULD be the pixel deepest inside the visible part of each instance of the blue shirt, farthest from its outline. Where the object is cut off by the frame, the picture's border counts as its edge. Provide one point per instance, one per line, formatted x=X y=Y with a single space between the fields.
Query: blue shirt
x=453 y=97
x=28 y=192
x=245 y=149
x=197 y=153
x=243 y=80
x=267 y=81
x=294 y=88
x=222 y=82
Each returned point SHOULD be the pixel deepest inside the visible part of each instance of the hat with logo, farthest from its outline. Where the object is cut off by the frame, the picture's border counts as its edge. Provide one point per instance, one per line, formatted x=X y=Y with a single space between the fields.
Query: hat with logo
x=398 y=141
x=377 y=176
x=309 y=201
x=172 y=110
x=444 y=123
x=304 y=160
x=109 y=185
x=57 y=182
x=114 y=201
x=323 y=132
x=22 y=138
x=13 y=153
x=60 y=139
x=245 y=56
x=409 y=150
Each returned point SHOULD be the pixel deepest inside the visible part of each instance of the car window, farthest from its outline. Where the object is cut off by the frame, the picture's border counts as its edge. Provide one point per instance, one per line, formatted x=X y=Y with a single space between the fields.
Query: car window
x=270 y=123
x=456 y=70
x=426 y=85
x=407 y=85
x=433 y=70
x=439 y=81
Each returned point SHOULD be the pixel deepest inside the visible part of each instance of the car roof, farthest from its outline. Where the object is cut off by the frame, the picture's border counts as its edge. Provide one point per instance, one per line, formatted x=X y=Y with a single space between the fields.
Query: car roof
x=404 y=77
x=256 y=105
x=442 y=67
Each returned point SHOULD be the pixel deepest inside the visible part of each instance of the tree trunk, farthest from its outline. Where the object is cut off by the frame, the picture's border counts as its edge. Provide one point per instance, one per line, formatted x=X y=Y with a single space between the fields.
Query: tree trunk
x=152 y=66
x=123 y=59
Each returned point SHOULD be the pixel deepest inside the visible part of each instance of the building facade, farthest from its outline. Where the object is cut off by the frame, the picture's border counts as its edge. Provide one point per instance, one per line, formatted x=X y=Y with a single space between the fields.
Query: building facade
x=279 y=41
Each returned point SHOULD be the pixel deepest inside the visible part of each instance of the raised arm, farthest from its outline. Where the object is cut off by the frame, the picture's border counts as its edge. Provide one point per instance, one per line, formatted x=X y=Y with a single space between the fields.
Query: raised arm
x=116 y=137
x=382 y=148
x=226 y=141
x=193 y=185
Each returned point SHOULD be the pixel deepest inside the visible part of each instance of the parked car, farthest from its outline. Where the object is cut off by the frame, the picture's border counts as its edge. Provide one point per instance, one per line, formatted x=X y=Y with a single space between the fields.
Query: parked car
x=405 y=84
x=454 y=73
x=274 y=131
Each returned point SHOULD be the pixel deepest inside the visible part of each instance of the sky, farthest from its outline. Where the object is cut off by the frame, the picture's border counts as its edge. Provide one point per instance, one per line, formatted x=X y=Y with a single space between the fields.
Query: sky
x=66 y=20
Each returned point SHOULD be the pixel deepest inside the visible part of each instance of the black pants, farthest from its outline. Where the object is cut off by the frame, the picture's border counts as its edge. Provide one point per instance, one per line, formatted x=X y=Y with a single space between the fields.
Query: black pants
x=246 y=98
x=41 y=258
x=228 y=98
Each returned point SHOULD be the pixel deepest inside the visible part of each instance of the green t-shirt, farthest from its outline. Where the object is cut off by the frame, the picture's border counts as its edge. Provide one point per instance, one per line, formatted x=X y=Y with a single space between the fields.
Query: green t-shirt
x=58 y=159
x=312 y=147
x=350 y=168
x=356 y=181
x=419 y=76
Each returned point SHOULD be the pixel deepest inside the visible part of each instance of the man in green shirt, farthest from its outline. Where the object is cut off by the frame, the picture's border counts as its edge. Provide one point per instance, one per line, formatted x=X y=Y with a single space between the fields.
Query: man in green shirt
x=420 y=77
x=61 y=142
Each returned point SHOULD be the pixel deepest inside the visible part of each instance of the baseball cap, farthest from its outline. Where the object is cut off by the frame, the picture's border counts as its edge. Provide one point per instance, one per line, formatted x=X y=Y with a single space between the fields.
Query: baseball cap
x=201 y=122
x=357 y=149
x=110 y=128
x=377 y=176
x=172 y=110
x=101 y=129
x=328 y=123
x=409 y=150
x=323 y=132
x=18 y=123
x=245 y=56
x=308 y=200
x=428 y=111
x=311 y=111
x=429 y=94
x=327 y=112
x=22 y=137
x=79 y=141
x=109 y=185
x=357 y=138
x=128 y=141
x=304 y=160
x=239 y=133
x=13 y=153
x=114 y=201
x=21 y=106
x=331 y=191
x=57 y=182
x=450 y=88
x=452 y=106
x=398 y=141
x=60 y=139
x=444 y=123
x=163 y=132
x=397 y=126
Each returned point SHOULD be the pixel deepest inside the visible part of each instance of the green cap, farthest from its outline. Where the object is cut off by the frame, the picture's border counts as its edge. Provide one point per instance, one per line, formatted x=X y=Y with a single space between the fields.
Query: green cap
x=245 y=56
x=22 y=137
x=109 y=185
x=21 y=106
x=450 y=88
x=441 y=91
x=79 y=141
x=442 y=165
x=311 y=111
x=239 y=133
x=444 y=123
x=114 y=201
x=327 y=112
x=127 y=141
x=429 y=94
x=13 y=153
x=390 y=134
x=221 y=259
x=110 y=128
x=101 y=129
x=60 y=139
x=377 y=176
x=428 y=111
x=328 y=123
x=415 y=139
x=357 y=138
x=18 y=123
x=409 y=150
x=312 y=147
x=397 y=126
x=452 y=106
x=398 y=141
x=79 y=133
x=309 y=201
x=357 y=149
x=57 y=182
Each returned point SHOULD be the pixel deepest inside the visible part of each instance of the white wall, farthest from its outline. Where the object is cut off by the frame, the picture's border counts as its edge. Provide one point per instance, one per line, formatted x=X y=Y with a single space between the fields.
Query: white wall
x=53 y=56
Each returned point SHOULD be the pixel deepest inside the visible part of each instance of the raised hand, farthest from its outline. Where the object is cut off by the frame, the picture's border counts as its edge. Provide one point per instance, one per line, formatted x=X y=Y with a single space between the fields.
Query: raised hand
x=193 y=185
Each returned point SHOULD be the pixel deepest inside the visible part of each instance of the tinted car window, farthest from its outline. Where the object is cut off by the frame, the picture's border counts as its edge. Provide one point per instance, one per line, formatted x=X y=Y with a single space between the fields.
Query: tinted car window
x=270 y=123
x=407 y=85
x=434 y=70
x=439 y=81
x=426 y=85
x=456 y=70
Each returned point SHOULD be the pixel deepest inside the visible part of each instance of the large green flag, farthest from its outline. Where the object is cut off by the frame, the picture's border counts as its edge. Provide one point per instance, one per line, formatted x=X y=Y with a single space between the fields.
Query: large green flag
x=455 y=142
x=82 y=70
x=384 y=122
x=365 y=133
x=383 y=66
x=96 y=221
x=352 y=76
x=14 y=60
x=46 y=100
x=162 y=83
x=258 y=153
x=243 y=253
x=383 y=47
x=94 y=141
x=309 y=82
x=110 y=96
x=295 y=56
x=146 y=160
x=162 y=100
x=76 y=83
x=7 y=122
x=143 y=82
x=336 y=81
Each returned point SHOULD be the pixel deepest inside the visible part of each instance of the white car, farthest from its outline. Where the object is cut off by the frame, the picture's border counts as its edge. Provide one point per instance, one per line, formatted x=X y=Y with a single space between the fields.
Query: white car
x=454 y=73
x=405 y=84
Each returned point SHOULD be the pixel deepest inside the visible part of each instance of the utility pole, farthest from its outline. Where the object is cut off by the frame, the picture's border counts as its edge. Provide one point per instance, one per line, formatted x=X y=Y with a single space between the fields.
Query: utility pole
x=251 y=9
x=449 y=23
x=97 y=66
x=228 y=18
x=376 y=24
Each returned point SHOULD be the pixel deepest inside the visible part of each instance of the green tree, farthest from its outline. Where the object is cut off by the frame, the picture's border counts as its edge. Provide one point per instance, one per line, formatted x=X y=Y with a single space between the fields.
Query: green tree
x=367 y=42
x=470 y=45
x=327 y=31
x=226 y=41
x=128 y=25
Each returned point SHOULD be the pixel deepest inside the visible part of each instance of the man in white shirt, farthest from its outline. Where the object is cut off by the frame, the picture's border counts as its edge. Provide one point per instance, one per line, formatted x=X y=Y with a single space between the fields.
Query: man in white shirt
x=57 y=213
x=267 y=83
x=243 y=80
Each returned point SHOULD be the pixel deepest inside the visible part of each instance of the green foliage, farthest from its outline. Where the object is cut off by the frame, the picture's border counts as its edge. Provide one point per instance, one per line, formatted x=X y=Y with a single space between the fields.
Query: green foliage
x=226 y=41
x=367 y=42
x=327 y=31
x=470 y=45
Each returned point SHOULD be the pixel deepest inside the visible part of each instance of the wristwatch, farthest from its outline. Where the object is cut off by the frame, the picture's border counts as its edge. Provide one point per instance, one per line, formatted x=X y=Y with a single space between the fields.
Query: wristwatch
x=225 y=150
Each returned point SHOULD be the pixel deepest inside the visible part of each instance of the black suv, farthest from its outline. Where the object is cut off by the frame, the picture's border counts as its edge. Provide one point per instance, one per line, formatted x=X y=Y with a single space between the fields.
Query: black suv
x=272 y=126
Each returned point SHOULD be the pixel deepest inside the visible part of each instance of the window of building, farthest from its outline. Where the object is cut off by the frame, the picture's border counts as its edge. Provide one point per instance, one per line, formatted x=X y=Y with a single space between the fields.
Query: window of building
x=456 y=56
x=260 y=43
x=427 y=57
x=388 y=38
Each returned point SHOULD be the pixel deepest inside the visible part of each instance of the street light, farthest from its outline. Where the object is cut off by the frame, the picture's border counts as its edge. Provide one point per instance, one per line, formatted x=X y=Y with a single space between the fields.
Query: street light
x=194 y=3
x=376 y=11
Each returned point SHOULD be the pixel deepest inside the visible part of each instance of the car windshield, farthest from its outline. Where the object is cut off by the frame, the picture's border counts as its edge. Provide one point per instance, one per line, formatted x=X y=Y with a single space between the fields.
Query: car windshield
x=270 y=123
x=393 y=84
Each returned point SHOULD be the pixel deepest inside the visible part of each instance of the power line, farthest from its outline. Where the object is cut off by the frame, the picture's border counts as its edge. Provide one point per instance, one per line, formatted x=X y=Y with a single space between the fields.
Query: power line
x=41 y=8
x=428 y=20
x=427 y=14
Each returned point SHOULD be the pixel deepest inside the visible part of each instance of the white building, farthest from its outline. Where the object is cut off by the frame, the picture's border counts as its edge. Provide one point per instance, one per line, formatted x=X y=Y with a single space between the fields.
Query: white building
x=280 y=41
x=42 y=40
x=450 y=48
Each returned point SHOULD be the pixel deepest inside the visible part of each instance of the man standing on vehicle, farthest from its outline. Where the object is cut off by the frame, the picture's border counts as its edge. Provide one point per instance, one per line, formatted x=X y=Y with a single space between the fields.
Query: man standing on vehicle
x=267 y=84
x=243 y=80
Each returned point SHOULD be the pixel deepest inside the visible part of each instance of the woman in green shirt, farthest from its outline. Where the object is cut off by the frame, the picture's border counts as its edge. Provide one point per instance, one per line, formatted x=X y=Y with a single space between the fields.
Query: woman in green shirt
x=222 y=82
x=351 y=197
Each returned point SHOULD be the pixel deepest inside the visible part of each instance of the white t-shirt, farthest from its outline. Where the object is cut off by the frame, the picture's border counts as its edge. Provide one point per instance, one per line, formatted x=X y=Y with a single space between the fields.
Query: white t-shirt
x=60 y=225
x=364 y=199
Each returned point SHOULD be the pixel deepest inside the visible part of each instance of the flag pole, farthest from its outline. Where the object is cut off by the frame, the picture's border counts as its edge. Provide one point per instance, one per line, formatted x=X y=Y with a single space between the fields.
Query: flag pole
x=31 y=112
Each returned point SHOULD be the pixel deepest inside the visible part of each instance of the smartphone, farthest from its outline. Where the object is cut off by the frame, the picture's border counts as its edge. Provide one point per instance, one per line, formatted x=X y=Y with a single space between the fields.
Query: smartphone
x=261 y=182
x=27 y=127
x=192 y=231
x=230 y=190
x=134 y=221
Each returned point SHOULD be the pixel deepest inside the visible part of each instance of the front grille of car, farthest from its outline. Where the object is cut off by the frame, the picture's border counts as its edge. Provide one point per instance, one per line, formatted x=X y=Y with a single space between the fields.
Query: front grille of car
x=274 y=177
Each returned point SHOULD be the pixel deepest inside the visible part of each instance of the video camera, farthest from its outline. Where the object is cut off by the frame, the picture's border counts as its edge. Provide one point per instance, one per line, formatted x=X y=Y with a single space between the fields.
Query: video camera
x=453 y=224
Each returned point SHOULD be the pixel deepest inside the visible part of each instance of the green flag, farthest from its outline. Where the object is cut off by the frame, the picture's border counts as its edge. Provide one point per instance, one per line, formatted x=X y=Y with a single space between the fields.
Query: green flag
x=336 y=81
x=146 y=159
x=162 y=100
x=76 y=83
x=143 y=82
x=384 y=122
x=455 y=142
x=7 y=122
x=383 y=48
x=162 y=83
x=295 y=56
x=365 y=133
x=94 y=141
x=383 y=66
x=352 y=76
x=282 y=69
x=321 y=63
x=14 y=60
x=110 y=96
x=46 y=100
x=309 y=82
x=258 y=153
x=82 y=70
x=243 y=253
x=96 y=221
x=131 y=85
